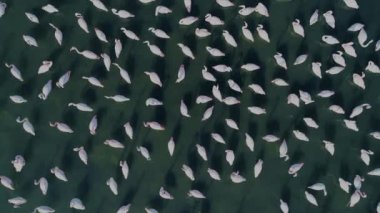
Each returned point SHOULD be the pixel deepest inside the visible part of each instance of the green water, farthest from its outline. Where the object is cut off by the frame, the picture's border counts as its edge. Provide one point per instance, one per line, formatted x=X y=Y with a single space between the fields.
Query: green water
x=51 y=148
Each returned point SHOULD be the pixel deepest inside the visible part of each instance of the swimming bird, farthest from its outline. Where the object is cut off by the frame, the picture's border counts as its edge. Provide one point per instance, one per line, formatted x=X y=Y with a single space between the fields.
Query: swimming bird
x=3 y=6
x=284 y=206
x=215 y=52
x=128 y=130
x=180 y=74
x=154 y=49
x=300 y=59
x=101 y=35
x=362 y=38
x=230 y=156
x=122 y=13
x=184 y=109
x=98 y=4
x=129 y=34
x=216 y=93
x=7 y=182
x=246 y=11
x=45 y=67
x=293 y=99
x=222 y=68
x=77 y=204
x=335 y=70
x=310 y=122
x=33 y=18
x=144 y=152
x=118 y=47
x=329 y=39
x=61 y=127
x=160 y=9
x=229 y=38
x=81 y=107
x=349 y=49
x=345 y=185
x=17 y=201
x=351 y=124
x=297 y=27
x=213 y=174
x=207 y=114
x=187 y=4
x=372 y=67
x=250 y=67
x=189 y=20
x=28 y=127
x=280 y=60
x=159 y=33
x=247 y=34
x=329 y=18
x=59 y=173
x=234 y=86
x=82 y=154
x=300 y=135
x=257 y=110
x=86 y=53
x=258 y=167
x=225 y=3
x=43 y=209
x=262 y=9
x=46 y=89
x=81 y=22
x=57 y=34
x=94 y=81
x=202 y=32
x=295 y=168
x=165 y=194
x=43 y=184
x=171 y=146
x=311 y=198
x=213 y=20
x=124 y=169
x=154 y=78
x=123 y=73
x=314 y=17
x=218 y=138
x=112 y=185
x=319 y=187
x=237 y=178
x=93 y=125
x=359 y=109
x=188 y=172
x=316 y=68
x=18 y=163
x=365 y=156
x=351 y=4
x=329 y=146
x=202 y=99
x=114 y=143
x=153 y=102
x=106 y=60
x=18 y=99
x=186 y=50
x=262 y=33
x=354 y=199
x=196 y=194
x=280 y=82
x=359 y=80
x=50 y=8
x=154 y=125
x=305 y=97
x=283 y=150
x=29 y=40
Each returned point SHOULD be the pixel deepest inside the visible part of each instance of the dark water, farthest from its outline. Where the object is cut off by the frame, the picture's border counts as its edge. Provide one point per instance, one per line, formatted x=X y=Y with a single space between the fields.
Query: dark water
x=51 y=148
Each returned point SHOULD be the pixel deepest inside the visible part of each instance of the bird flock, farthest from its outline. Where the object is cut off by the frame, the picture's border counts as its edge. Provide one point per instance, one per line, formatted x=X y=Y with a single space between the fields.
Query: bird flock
x=344 y=52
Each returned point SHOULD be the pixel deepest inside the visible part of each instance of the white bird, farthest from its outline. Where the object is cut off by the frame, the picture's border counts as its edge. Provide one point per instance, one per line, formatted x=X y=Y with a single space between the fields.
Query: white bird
x=305 y=97
x=284 y=150
x=222 y=68
x=184 y=110
x=280 y=82
x=29 y=40
x=57 y=34
x=202 y=32
x=61 y=127
x=188 y=20
x=284 y=206
x=229 y=38
x=154 y=78
x=43 y=184
x=351 y=4
x=128 y=130
x=46 y=89
x=232 y=124
x=250 y=67
x=33 y=18
x=154 y=49
x=329 y=39
x=345 y=185
x=293 y=99
x=7 y=182
x=186 y=50
x=118 y=47
x=124 y=209
x=355 y=27
x=114 y=143
x=159 y=33
x=18 y=99
x=144 y=152
x=146 y=1
x=351 y=124
x=196 y=194
x=207 y=75
x=123 y=73
x=213 y=174
x=337 y=109
x=28 y=127
x=213 y=20
x=319 y=187
x=98 y=4
x=101 y=35
x=180 y=74
x=311 y=198
x=375 y=135
x=246 y=11
x=18 y=163
x=82 y=154
x=311 y=122
x=117 y=98
x=111 y=183
x=216 y=92
x=201 y=151
x=365 y=156
x=94 y=81
x=81 y=22
x=122 y=13
x=154 y=125
x=215 y=52
x=349 y=49
x=3 y=6
x=326 y=93
x=354 y=199
x=270 y=138
x=43 y=209
x=359 y=109
x=316 y=68
x=262 y=9
x=162 y=10
x=377 y=46
x=262 y=33
x=165 y=194
x=372 y=67
x=45 y=67
x=247 y=34
x=300 y=135
x=187 y=5
x=329 y=146
x=230 y=156
x=218 y=138
x=257 y=110
x=93 y=125
x=86 y=53
x=257 y=89
x=202 y=99
x=77 y=204
x=188 y=172
x=300 y=59
x=297 y=27
x=17 y=201
x=280 y=60
x=124 y=169
x=207 y=114
x=59 y=173
x=153 y=102
x=314 y=17
x=375 y=172
x=149 y=210
x=329 y=18
x=258 y=167
x=237 y=178
x=362 y=38
x=81 y=107
x=359 y=80
x=338 y=58
x=295 y=168
x=249 y=142
x=171 y=146
x=129 y=34
x=50 y=8
x=234 y=86
x=225 y=3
